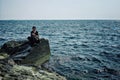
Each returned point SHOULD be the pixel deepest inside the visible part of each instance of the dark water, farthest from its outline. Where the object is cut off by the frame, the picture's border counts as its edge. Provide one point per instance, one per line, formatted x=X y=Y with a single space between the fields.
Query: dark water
x=81 y=49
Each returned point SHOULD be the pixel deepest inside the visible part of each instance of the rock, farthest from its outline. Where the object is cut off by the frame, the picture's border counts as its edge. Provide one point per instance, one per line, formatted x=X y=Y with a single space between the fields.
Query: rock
x=23 y=53
x=11 y=47
x=3 y=55
x=13 y=52
x=18 y=72
x=0 y=78
x=11 y=62
x=38 y=54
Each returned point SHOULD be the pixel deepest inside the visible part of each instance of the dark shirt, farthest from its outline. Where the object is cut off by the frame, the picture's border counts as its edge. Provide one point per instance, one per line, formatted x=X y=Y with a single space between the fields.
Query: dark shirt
x=33 y=32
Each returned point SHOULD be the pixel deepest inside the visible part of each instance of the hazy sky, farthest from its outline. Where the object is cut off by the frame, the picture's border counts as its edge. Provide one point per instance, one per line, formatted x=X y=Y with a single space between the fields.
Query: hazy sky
x=59 y=9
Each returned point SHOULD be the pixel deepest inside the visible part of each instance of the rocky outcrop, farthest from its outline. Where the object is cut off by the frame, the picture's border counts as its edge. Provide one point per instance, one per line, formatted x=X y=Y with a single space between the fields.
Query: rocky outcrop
x=38 y=54
x=11 y=71
x=20 y=61
x=22 y=52
x=12 y=47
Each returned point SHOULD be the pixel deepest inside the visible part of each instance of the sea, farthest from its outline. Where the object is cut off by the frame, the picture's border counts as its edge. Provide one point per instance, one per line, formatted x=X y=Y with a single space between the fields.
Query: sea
x=80 y=49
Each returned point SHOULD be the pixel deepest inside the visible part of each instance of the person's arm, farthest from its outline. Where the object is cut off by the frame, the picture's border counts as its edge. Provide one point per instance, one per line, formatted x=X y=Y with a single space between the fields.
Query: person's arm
x=37 y=35
x=33 y=34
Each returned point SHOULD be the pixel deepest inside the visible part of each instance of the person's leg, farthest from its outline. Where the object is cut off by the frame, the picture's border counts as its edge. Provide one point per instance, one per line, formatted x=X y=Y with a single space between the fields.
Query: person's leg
x=31 y=40
x=37 y=40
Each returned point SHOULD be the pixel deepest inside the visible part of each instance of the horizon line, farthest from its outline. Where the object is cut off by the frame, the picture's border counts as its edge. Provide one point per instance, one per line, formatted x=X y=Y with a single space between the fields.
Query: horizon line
x=59 y=19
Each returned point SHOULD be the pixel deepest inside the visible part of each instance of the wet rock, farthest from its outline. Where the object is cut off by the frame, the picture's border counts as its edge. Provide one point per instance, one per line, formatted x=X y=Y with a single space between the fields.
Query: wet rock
x=3 y=55
x=19 y=72
x=14 y=51
x=39 y=54
x=11 y=62
x=11 y=47
x=1 y=78
x=23 y=53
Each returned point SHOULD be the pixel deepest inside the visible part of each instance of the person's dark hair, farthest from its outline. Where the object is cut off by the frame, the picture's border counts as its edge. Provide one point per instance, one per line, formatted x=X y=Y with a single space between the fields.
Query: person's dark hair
x=33 y=27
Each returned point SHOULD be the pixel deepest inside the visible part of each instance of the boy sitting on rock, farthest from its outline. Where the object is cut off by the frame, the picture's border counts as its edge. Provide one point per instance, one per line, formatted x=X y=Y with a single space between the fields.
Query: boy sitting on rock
x=34 y=38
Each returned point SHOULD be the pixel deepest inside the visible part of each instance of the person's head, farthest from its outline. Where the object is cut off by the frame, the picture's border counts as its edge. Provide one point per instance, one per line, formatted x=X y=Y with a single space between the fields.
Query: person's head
x=34 y=28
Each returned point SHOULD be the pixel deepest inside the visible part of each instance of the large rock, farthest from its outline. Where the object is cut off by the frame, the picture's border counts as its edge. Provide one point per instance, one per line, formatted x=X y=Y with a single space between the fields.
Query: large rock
x=22 y=52
x=11 y=47
x=14 y=53
x=38 y=54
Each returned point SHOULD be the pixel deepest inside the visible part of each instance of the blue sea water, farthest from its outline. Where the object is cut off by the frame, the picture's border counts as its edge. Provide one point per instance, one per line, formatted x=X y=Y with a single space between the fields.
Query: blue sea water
x=80 y=49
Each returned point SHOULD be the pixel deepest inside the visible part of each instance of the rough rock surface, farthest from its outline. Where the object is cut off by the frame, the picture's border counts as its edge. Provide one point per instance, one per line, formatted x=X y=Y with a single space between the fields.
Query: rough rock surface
x=20 y=61
x=22 y=52
x=38 y=54
x=10 y=71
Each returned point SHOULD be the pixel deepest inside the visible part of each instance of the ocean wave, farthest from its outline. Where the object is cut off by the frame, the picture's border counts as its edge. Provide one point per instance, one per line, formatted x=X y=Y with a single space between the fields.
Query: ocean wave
x=2 y=39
